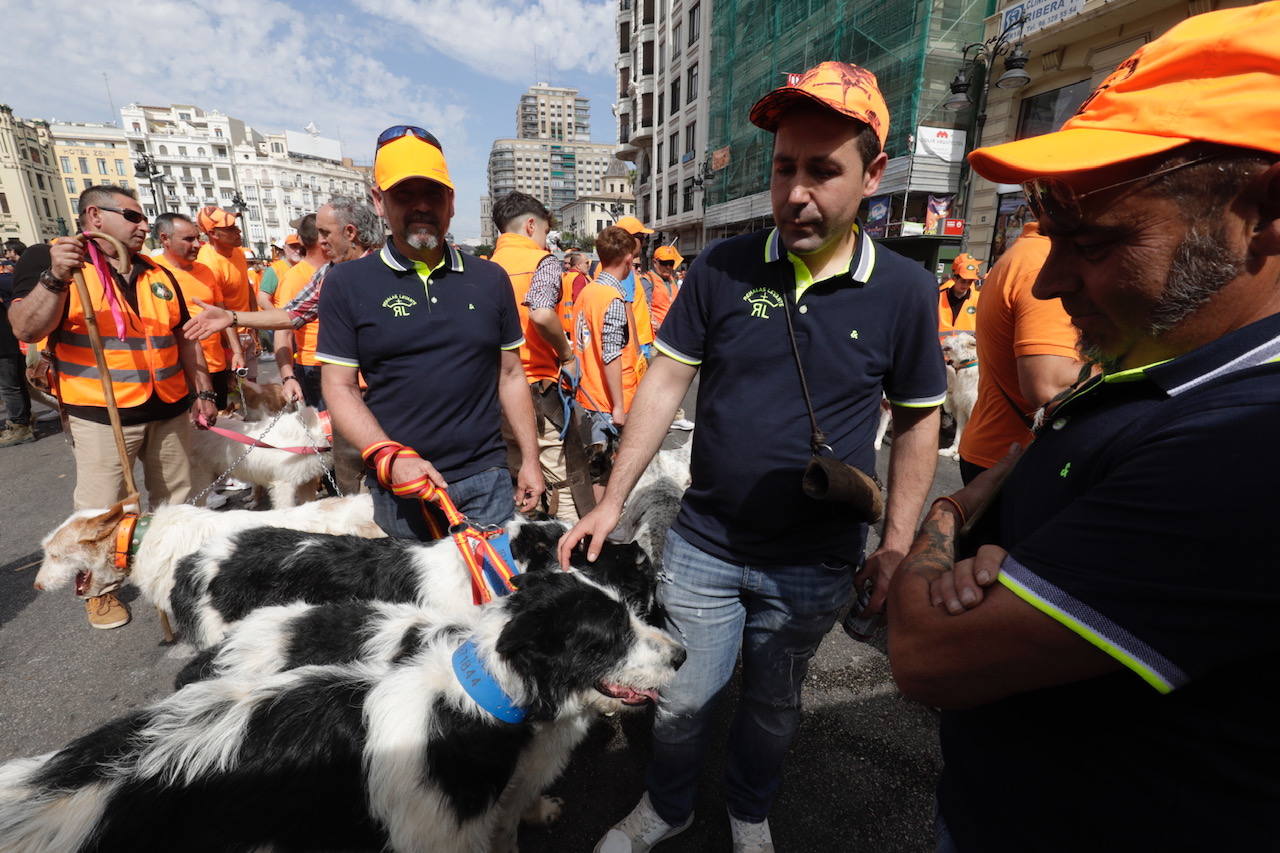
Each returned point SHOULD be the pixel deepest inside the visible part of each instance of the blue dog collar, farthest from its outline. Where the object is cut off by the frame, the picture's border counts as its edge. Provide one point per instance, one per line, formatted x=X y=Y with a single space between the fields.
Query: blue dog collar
x=481 y=686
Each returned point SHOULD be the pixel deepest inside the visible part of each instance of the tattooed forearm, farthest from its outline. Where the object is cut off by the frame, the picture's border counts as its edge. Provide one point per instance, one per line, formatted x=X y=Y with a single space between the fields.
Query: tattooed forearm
x=933 y=553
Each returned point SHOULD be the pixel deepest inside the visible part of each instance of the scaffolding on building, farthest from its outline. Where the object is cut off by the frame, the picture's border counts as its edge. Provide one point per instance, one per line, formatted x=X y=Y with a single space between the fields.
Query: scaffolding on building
x=912 y=46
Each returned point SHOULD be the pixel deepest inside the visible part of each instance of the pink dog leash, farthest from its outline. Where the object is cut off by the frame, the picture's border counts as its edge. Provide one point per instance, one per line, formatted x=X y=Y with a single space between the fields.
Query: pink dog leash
x=253 y=442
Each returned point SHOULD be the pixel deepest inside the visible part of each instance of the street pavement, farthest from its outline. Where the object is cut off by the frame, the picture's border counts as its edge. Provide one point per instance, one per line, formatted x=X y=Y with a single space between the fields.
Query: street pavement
x=860 y=777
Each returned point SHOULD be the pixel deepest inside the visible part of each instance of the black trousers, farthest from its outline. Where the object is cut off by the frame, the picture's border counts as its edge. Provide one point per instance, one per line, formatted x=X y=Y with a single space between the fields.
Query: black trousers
x=13 y=388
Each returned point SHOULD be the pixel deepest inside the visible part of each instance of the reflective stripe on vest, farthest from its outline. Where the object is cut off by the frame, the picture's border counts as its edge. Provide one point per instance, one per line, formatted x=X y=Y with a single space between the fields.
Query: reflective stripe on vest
x=589 y=311
x=520 y=257
x=143 y=363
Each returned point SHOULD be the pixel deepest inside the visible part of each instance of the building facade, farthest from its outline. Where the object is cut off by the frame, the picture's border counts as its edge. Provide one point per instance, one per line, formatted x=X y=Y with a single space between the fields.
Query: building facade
x=488 y=233
x=91 y=153
x=33 y=207
x=663 y=95
x=589 y=214
x=914 y=47
x=553 y=112
x=1071 y=54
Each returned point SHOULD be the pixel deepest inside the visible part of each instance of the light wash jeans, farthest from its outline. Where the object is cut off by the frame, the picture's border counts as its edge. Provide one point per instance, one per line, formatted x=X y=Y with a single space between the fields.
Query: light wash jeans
x=777 y=616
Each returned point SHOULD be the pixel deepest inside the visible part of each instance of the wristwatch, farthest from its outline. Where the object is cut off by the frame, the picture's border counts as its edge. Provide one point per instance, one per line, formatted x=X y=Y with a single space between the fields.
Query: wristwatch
x=53 y=283
x=207 y=395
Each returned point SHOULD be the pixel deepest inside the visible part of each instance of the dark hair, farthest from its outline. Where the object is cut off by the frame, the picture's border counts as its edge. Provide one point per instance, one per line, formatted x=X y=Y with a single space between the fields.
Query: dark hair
x=102 y=194
x=307 y=232
x=574 y=257
x=514 y=205
x=164 y=222
x=1204 y=190
x=613 y=244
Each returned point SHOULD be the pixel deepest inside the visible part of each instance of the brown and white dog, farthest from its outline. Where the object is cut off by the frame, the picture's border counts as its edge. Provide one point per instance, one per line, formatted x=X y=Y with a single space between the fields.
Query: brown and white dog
x=82 y=548
x=961 y=352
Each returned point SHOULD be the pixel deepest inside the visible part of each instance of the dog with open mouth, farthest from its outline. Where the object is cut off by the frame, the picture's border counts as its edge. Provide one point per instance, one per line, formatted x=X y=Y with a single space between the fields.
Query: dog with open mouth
x=439 y=749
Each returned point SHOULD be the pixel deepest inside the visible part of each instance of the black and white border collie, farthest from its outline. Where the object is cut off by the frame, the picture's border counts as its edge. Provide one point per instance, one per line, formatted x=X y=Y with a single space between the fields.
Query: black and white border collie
x=247 y=569
x=394 y=755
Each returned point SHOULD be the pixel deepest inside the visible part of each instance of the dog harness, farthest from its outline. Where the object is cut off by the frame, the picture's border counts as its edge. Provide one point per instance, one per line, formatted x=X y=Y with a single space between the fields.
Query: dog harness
x=482 y=687
x=129 y=533
x=487 y=553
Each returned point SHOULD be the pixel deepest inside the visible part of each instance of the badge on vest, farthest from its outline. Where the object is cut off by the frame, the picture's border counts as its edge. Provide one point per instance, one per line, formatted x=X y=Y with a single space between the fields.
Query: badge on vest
x=972 y=309
x=761 y=300
x=399 y=304
x=161 y=290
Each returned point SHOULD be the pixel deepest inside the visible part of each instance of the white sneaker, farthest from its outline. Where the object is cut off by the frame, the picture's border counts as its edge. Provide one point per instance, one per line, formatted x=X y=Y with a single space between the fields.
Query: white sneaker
x=639 y=831
x=682 y=424
x=750 y=837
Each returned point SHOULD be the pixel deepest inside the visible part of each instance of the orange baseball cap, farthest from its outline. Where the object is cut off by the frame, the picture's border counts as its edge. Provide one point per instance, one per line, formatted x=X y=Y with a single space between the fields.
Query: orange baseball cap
x=409 y=156
x=212 y=217
x=633 y=226
x=293 y=240
x=966 y=266
x=838 y=86
x=668 y=253
x=1214 y=77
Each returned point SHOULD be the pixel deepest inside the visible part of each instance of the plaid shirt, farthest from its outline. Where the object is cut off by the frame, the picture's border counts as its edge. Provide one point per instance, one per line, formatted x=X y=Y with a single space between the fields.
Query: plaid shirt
x=613 y=337
x=305 y=307
x=544 y=288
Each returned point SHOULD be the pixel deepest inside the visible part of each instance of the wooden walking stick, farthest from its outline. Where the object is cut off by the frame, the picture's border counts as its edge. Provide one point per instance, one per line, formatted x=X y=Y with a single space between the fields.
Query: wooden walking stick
x=104 y=374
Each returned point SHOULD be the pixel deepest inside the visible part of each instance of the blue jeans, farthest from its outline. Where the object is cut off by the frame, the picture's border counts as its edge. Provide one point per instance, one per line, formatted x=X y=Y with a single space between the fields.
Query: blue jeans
x=777 y=616
x=485 y=499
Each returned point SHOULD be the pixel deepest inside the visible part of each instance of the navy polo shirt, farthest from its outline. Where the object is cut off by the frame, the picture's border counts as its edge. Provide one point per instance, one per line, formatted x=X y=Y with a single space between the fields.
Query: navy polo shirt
x=428 y=342
x=1143 y=519
x=872 y=328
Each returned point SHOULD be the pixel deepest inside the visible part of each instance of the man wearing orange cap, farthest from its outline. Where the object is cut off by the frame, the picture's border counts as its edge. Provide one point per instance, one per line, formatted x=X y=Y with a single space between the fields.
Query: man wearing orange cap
x=665 y=285
x=289 y=254
x=1106 y=671
x=958 y=298
x=222 y=255
x=752 y=563
x=436 y=335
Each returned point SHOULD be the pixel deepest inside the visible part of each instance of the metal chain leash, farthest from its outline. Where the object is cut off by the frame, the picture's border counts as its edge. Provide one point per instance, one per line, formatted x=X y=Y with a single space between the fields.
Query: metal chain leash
x=236 y=464
x=329 y=471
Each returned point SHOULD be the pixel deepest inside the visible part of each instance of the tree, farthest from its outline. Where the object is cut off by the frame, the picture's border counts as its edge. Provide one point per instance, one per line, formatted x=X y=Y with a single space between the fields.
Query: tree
x=484 y=249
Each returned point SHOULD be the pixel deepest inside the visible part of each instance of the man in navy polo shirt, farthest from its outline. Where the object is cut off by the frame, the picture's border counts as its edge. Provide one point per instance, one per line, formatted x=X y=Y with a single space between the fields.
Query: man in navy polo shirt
x=436 y=336
x=1114 y=685
x=751 y=562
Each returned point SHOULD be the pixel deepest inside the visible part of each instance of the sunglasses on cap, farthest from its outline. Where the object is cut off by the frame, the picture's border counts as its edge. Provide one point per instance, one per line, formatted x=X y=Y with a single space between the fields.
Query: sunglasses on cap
x=132 y=215
x=397 y=131
x=1055 y=199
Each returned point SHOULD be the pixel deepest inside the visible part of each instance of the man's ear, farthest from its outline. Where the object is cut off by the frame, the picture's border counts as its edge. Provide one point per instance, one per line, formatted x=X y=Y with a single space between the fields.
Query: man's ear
x=1265 y=241
x=375 y=195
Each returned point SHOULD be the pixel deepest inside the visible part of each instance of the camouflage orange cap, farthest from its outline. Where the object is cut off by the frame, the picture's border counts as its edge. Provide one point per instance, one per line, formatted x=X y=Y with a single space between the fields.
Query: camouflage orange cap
x=838 y=86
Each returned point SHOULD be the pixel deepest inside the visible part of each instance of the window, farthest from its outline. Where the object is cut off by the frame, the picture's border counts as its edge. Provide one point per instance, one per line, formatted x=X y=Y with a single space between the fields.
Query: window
x=662 y=99
x=277 y=148
x=84 y=165
x=71 y=186
x=671 y=200
x=224 y=174
x=184 y=116
x=673 y=149
x=182 y=151
x=658 y=159
x=691 y=82
x=695 y=23
x=66 y=163
x=120 y=168
x=217 y=131
x=47 y=211
x=102 y=166
x=675 y=95
x=204 y=175
x=199 y=152
x=1047 y=111
x=87 y=183
x=40 y=181
x=675 y=40
x=657 y=202
x=687 y=194
x=164 y=150
x=690 y=136
x=4 y=203
x=137 y=128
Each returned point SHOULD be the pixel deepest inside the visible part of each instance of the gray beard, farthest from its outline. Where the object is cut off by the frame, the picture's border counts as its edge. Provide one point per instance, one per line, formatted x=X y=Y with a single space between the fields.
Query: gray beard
x=420 y=240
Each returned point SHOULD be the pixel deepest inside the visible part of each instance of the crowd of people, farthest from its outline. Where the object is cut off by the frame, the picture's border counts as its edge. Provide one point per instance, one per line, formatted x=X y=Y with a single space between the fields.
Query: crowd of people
x=1089 y=611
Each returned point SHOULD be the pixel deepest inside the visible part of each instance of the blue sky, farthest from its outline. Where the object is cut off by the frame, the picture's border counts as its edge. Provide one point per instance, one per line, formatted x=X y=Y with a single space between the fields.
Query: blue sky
x=456 y=68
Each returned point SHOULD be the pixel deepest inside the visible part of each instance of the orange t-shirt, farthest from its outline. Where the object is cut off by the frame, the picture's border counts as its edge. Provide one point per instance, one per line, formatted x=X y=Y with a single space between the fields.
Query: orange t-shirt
x=233 y=277
x=200 y=282
x=1012 y=324
x=305 y=336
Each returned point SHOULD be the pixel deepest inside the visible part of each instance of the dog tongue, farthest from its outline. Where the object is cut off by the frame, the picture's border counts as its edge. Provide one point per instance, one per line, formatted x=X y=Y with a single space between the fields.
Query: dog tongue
x=82 y=583
x=630 y=696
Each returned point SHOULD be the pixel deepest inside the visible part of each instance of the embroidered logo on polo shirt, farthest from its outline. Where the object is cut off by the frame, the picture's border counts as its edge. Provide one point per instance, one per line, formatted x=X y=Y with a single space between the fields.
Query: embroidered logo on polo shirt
x=1066 y=470
x=399 y=304
x=161 y=290
x=761 y=300
x=854 y=334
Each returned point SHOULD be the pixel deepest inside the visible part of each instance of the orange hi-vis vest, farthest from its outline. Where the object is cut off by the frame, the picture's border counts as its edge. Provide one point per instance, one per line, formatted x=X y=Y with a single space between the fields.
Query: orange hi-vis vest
x=640 y=307
x=664 y=293
x=588 y=346
x=199 y=282
x=520 y=256
x=145 y=361
x=966 y=320
x=233 y=277
x=565 y=308
x=307 y=335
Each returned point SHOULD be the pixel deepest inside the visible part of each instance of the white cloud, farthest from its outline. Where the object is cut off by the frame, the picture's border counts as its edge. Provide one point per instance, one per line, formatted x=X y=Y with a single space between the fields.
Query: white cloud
x=508 y=40
x=272 y=65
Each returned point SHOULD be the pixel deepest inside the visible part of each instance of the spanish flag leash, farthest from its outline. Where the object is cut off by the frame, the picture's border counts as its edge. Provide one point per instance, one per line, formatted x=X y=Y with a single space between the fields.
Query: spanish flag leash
x=489 y=567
